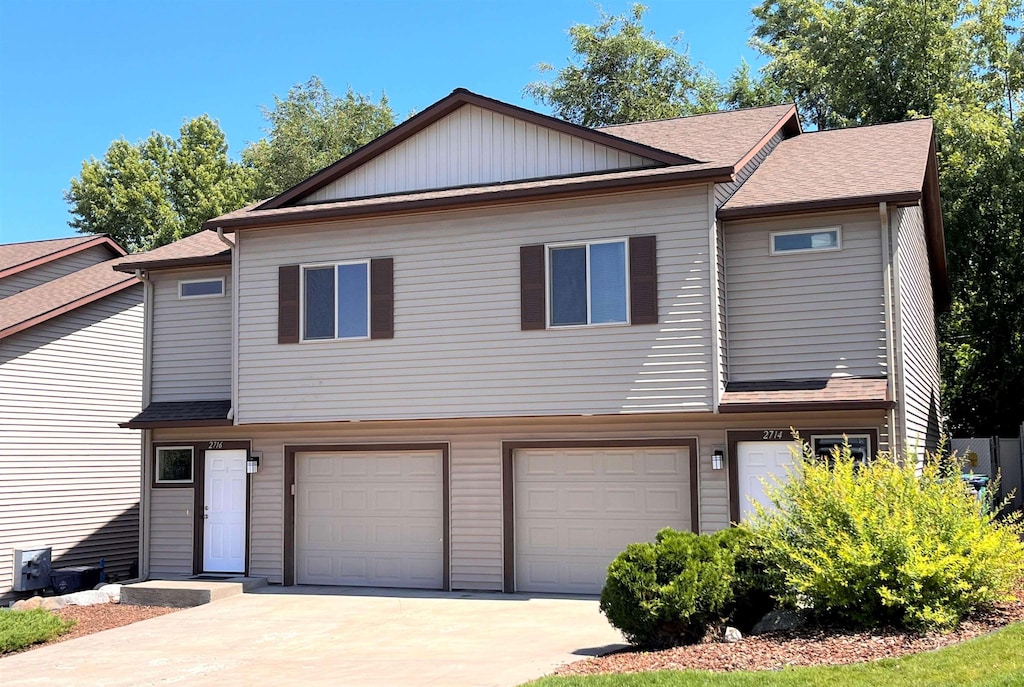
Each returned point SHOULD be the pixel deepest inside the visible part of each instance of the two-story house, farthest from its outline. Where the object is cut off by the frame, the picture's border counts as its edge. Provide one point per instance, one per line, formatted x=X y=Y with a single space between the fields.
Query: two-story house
x=489 y=349
x=71 y=331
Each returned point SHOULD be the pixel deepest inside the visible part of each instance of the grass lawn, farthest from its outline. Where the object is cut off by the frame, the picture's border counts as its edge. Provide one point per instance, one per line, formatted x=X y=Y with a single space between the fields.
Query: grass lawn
x=19 y=629
x=996 y=660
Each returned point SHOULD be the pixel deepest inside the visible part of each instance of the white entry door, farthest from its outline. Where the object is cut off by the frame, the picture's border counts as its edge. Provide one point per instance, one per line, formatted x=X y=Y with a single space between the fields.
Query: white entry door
x=756 y=461
x=224 y=512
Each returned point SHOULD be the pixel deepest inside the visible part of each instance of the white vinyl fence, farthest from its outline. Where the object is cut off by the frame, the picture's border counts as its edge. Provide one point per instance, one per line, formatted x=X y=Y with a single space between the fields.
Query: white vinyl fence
x=997 y=455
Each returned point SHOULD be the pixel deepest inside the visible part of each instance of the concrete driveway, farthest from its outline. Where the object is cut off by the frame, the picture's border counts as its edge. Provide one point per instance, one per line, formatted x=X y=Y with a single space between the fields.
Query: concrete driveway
x=331 y=636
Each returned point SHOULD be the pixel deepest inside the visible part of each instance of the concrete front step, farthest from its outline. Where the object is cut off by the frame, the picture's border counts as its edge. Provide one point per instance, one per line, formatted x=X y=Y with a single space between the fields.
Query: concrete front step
x=185 y=593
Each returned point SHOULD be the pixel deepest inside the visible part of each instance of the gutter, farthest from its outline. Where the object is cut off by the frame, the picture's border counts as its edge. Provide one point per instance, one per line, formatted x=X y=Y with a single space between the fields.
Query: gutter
x=233 y=247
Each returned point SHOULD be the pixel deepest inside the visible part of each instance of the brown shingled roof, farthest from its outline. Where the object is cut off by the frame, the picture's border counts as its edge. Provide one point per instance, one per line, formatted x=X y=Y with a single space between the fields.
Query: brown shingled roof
x=723 y=138
x=204 y=248
x=839 y=167
x=17 y=257
x=848 y=393
x=181 y=414
x=46 y=301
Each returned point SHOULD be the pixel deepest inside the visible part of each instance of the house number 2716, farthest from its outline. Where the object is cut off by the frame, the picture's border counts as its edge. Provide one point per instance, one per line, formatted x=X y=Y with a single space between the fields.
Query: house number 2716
x=215 y=444
x=770 y=434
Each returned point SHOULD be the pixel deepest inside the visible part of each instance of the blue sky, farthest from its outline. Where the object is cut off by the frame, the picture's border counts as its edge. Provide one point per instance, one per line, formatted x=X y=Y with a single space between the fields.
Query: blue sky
x=75 y=76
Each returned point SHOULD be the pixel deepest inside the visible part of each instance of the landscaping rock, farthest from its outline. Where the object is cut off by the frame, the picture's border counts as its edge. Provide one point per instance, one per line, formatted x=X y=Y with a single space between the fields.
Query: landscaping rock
x=53 y=603
x=779 y=620
x=90 y=597
x=732 y=635
x=27 y=604
x=113 y=591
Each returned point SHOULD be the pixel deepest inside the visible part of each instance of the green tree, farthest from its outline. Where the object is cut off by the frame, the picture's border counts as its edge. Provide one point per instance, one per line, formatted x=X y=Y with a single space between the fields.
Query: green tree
x=745 y=90
x=309 y=130
x=856 y=62
x=159 y=189
x=621 y=73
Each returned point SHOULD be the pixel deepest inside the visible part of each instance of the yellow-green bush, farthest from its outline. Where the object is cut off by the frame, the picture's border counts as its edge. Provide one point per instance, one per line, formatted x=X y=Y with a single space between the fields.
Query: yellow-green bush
x=887 y=543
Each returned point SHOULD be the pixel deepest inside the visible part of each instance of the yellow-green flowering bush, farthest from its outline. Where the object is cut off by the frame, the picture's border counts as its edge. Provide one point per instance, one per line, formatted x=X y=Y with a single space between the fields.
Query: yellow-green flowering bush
x=887 y=542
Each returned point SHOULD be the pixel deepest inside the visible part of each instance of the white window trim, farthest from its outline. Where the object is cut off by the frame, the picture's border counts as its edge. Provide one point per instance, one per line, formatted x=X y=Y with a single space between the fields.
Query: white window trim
x=192 y=466
x=183 y=297
x=547 y=281
x=334 y=302
x=839 y=439
x=816 y=230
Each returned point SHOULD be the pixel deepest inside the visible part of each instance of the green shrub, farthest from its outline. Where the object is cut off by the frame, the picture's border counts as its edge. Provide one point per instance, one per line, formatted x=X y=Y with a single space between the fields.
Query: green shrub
x=887 y=543
x=668 y=592
x=20 y=629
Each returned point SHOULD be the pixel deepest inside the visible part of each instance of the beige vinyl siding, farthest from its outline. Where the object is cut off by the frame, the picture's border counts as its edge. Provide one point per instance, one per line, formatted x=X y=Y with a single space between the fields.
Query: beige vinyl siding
x=806 y=315
x=476 y=146
x=723 y=308
x=723 y=192
x=53 y=270
x=170 y=532
x=918 y=348
x=457 y=305
x=191 y=339
x=475 y=454
x=68 y=474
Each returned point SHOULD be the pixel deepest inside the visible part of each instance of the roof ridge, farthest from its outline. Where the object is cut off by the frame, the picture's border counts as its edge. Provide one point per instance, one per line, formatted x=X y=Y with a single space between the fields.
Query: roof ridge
x=57 y=238
x=693 y=116
x=869 y=126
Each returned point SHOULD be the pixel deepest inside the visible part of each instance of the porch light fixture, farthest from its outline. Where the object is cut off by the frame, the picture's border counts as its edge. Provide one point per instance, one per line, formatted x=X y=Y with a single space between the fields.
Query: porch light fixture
x=717 y=458
x=252 y=462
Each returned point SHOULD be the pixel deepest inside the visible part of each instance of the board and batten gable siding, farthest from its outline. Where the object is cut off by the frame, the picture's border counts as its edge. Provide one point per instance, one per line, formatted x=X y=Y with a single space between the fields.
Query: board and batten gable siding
x=918 y=346
x=458 y=348
x=805 y=315
x=68 y=474
x=191 y=339
x=54 y=269
x=473 y=146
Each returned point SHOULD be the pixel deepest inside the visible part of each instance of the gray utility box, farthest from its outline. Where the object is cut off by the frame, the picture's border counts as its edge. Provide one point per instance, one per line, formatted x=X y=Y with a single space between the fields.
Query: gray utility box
x=31 y=569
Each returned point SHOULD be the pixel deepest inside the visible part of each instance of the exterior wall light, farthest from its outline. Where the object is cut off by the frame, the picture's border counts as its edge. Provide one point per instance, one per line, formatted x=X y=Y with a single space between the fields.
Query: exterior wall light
x=717 y=459
x=252 y=462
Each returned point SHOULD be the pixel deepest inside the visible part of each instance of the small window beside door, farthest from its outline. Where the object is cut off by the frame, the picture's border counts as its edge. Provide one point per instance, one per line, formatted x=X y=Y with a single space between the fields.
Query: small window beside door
x=174 y=464
x=860 y=447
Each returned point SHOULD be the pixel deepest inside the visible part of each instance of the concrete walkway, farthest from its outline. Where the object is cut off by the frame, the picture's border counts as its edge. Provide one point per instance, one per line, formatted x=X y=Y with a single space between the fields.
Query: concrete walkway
x=330 y=636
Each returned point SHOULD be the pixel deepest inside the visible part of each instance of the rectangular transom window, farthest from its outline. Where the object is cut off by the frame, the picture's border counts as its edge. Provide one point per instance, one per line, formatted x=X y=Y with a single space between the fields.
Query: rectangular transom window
x=336 y=301
x=587 y=283
x=805 y=240
x=201 y=288
x=174 y=465
x=860 y=446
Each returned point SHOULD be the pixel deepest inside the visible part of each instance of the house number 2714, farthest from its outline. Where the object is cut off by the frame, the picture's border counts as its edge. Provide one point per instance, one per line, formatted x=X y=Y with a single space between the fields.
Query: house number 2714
x=770 y=434
x=215 y=445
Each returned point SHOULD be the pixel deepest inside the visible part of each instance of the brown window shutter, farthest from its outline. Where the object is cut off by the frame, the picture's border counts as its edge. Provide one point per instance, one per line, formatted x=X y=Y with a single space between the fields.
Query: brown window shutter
x=288 y=304
x=532 y=311
x=643 y=280
x=382 y=298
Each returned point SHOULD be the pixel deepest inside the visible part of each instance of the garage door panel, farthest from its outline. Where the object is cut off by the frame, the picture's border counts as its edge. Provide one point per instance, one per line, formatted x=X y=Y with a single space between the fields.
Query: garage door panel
x=576 y=509
x=370 y=519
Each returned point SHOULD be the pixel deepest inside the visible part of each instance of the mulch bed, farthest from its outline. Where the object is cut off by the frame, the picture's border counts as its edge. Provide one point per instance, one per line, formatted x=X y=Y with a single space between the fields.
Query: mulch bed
x=105 y=617
x=812 y=646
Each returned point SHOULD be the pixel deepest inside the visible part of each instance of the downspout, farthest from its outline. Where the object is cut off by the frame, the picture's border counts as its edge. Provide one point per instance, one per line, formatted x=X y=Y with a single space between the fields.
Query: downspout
x=890 y=342
x=147 y=435
x=716 y=313
x=232 y=246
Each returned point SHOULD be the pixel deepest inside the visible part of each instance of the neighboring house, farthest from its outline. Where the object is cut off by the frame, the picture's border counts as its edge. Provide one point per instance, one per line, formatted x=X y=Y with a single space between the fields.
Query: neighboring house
x=71 y=331
x=489 y=349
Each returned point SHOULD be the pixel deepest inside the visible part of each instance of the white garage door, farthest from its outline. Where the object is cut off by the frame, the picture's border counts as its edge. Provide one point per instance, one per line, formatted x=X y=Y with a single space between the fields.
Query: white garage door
x=369 y=519
x=756 y=461
x=575 y=510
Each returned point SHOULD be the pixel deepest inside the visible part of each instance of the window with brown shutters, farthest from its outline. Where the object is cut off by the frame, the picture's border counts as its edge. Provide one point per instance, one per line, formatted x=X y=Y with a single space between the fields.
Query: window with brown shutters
x=589 y=283
x=336 y=301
